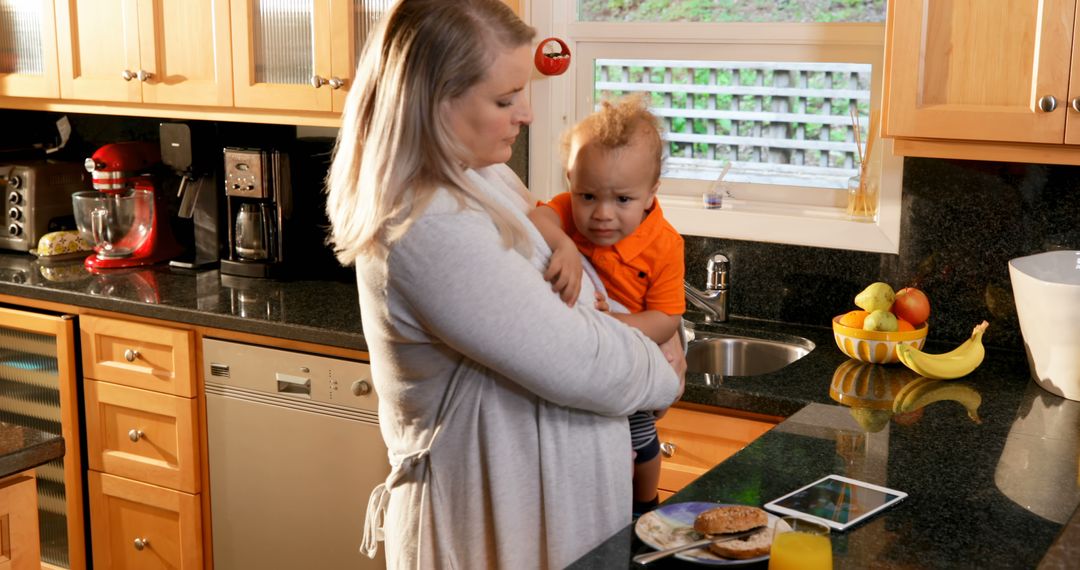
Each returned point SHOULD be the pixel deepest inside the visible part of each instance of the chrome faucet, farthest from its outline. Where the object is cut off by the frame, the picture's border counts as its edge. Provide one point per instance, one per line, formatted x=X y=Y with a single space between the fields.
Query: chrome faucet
x=713 y=300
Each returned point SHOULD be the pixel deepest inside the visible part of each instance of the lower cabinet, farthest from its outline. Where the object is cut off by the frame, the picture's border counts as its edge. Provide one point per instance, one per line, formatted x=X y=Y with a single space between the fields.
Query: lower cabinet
x=141 y=526
x=20 y=547
x=692 y=441
x=142 y=434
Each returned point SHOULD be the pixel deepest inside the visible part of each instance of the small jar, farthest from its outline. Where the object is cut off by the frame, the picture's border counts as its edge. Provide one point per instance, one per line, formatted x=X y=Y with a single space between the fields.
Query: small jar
x=862 y=199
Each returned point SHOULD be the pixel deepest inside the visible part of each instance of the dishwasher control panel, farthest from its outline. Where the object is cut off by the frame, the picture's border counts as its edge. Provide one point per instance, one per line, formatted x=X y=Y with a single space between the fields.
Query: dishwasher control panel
x=287 y=374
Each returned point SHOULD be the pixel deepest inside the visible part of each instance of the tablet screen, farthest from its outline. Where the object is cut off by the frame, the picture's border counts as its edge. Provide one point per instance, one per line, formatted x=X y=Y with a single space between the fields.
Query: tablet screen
x=837 y=500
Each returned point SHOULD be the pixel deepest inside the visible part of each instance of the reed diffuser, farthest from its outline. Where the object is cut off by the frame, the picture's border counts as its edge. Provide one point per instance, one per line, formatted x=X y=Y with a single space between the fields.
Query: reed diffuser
x=863 y=188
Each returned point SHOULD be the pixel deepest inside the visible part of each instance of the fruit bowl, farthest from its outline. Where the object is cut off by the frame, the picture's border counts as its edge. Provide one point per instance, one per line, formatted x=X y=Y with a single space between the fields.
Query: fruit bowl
x=875 y=346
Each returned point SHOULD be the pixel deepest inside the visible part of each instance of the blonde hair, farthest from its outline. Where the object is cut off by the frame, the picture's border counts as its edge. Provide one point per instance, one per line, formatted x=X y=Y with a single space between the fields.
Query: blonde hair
x=395 y=147
x=615 y=125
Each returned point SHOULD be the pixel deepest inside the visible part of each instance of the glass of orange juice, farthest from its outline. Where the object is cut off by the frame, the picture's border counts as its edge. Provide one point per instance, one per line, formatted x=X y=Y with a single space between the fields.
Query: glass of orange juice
x=800 y=544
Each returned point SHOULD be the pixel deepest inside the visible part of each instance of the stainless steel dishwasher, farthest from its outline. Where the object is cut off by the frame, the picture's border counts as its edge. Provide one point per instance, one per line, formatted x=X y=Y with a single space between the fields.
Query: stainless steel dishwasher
x=294 y=452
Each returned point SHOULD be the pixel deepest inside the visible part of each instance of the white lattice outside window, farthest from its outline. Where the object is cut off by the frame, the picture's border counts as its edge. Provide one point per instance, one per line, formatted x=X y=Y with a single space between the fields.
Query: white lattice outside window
x=772 y=101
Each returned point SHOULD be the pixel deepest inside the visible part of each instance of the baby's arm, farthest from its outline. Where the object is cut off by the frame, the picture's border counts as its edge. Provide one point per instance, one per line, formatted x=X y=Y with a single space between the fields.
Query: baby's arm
x=564 y=269
x=658 y=326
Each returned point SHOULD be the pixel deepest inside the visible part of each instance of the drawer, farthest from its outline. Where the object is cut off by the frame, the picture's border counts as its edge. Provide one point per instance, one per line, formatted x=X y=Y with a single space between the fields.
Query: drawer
x=20 y=547
x=145 y=356
x=695 y=441
x=134 y=525
x=143 y=435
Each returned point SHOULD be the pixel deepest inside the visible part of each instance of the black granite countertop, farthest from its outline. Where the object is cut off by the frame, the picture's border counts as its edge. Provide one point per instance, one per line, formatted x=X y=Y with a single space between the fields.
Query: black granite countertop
x=995 y=494
x=23 y=448
x=313 y=310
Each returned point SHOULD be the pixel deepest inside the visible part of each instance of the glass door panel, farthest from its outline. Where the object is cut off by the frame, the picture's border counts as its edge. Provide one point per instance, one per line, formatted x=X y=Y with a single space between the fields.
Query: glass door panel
x=28 y=49
x=284 y=41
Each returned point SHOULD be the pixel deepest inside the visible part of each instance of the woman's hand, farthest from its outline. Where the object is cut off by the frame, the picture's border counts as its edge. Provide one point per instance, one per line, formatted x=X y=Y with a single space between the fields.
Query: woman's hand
x=673 y=351
x=564 y=272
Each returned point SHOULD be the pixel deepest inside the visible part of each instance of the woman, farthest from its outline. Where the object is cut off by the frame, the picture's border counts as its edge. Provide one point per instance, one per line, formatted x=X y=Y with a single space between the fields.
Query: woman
x=503 y=409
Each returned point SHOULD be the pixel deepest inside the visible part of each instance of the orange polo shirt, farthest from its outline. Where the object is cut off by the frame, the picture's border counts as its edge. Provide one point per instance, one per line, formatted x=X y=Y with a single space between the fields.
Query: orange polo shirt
x=644 y=270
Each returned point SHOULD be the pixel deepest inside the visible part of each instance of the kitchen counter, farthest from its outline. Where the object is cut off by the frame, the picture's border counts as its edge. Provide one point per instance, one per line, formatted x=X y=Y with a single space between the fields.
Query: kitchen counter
x=23 y=448
x=311 y=310
x=992 y=494
x=995 y=494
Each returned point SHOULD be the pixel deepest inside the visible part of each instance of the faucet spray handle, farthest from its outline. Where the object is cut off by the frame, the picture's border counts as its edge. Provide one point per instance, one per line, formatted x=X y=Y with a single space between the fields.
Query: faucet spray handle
x=717 y=272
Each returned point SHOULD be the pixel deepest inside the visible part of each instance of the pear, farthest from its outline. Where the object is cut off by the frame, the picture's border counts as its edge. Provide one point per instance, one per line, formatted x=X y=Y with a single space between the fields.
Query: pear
x=872 y=421
x=877 y=296
x=880 y=320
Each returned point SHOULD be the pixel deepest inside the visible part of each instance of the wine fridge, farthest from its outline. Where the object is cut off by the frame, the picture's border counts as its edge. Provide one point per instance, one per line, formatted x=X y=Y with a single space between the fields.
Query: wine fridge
x=39 y=389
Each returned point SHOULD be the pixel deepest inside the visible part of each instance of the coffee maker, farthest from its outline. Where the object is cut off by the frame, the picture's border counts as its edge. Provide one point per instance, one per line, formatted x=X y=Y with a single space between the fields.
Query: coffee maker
x=187 y=149
x=258 y=196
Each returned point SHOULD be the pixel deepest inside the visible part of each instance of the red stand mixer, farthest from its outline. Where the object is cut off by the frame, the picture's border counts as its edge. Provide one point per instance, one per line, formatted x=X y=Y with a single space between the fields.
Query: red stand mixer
x=127 y=219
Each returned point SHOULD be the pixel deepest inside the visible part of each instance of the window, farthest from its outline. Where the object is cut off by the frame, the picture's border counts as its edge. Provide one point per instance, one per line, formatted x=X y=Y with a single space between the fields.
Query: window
x=761 y=89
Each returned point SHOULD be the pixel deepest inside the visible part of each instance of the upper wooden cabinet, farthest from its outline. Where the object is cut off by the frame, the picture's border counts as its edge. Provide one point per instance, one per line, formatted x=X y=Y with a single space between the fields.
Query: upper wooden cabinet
x=298 y=54
x=989 y=72
x=170 y=52
x=28 y=50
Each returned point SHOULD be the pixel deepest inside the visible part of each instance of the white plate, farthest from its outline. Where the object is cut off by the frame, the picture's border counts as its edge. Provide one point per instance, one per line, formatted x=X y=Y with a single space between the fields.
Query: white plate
x=673 y=525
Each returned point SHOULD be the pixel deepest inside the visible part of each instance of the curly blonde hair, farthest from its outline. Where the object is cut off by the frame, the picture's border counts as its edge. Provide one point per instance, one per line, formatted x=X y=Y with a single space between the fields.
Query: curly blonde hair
x=615 y=125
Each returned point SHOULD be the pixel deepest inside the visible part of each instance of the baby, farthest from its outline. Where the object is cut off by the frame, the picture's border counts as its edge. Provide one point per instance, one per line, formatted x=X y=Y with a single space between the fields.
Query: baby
x=611 y=216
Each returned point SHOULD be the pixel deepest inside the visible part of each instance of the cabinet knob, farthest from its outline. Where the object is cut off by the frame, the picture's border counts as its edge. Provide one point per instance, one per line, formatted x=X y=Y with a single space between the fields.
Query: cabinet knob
x=361 y=388
x=336 y=83
x=144 y=75
x=1047 y=103
x=141 y=543
x=1076 y=104
x=135 y=434
x=318 y=81
x=131 y=354
x=127 y=75
x=667 y=448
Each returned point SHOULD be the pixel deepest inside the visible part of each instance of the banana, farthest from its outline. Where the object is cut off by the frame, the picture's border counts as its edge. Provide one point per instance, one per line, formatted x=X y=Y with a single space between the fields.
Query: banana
x=902 y=393
x=953 y=364
x=927 y=393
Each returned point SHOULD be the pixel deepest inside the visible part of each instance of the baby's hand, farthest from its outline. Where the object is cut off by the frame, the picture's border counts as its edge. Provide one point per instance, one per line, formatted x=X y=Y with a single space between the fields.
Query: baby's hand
x=564 y=272
x=601 y=303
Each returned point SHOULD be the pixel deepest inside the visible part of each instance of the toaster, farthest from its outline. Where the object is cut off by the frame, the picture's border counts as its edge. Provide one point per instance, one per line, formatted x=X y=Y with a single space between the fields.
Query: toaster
x=37 y=200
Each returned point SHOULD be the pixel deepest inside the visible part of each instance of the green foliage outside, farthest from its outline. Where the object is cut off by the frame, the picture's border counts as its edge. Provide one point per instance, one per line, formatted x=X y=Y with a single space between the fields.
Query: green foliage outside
x=821 y=11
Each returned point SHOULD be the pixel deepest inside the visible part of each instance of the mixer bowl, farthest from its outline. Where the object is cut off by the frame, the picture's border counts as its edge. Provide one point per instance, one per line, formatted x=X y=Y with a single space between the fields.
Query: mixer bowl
x=115 y=224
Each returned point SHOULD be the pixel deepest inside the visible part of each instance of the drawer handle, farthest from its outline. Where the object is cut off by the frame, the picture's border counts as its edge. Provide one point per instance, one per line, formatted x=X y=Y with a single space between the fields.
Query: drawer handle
x=141 y=543
x=131 y=354
x=135 y=434
x=667 y=448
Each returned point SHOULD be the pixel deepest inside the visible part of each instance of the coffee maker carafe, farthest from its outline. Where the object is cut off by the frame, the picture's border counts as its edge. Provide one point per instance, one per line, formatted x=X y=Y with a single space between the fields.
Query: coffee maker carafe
x=258 y=199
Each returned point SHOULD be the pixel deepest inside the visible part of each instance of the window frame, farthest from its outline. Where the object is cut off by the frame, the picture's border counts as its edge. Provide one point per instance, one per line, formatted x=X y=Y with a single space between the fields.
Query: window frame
x=559 y=101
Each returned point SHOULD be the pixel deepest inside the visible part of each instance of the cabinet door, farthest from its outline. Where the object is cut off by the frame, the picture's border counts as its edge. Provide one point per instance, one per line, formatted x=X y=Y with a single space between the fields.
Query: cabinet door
x=1072 y=108
x=19 y=542
x=97 y=43
x=143 y=435
x=155 y=358
x=279 y=46
x=184 y=45
x=693 y=442
x=140 y=526
x=28 y=50
x=976 y=70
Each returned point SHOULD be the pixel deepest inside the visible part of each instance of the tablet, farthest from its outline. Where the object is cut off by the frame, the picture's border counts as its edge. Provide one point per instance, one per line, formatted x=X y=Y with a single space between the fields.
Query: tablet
x=837 y=501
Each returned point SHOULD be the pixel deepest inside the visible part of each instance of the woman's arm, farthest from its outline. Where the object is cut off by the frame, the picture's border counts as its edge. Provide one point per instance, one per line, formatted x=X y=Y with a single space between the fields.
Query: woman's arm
x=492 y=305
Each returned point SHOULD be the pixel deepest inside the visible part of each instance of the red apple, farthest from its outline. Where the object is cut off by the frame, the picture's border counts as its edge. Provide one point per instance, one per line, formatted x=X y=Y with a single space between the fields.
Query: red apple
x=911 y=305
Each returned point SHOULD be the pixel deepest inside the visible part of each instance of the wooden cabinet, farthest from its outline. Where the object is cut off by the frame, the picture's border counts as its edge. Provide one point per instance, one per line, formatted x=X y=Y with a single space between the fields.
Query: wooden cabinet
x=142 y=433
x=694 y=440
x=297 y=55
x=141 y=526
x=28 y=50
x=162 y=51
x=19 y=542
x=972 y=79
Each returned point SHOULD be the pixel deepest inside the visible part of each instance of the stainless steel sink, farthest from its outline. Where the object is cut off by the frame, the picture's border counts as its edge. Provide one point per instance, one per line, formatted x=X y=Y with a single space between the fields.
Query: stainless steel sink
x=717 y=354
